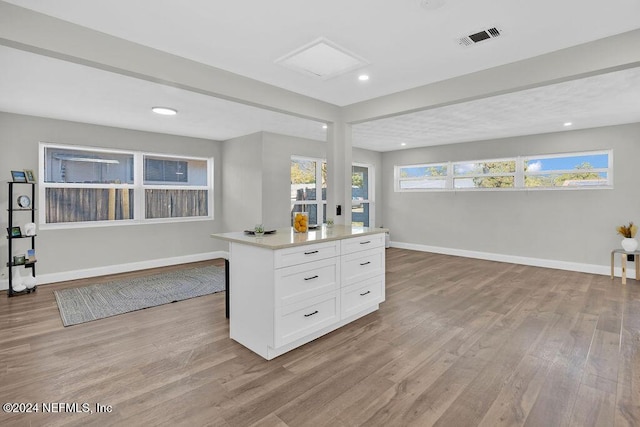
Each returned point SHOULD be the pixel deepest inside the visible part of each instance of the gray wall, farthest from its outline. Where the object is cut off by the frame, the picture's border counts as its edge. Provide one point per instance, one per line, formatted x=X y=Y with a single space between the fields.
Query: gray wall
x=572 y=226
x=256 y=187
x=85 y=248
x=277 y=151
x=242 y=182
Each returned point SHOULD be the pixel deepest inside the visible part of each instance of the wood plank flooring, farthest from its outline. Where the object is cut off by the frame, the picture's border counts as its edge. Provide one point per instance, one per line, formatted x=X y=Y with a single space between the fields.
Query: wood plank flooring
x=459 y=342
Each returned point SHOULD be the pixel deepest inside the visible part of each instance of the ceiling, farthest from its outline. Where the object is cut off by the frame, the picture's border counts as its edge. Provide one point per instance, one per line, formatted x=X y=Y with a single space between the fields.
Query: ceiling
x=404 y=46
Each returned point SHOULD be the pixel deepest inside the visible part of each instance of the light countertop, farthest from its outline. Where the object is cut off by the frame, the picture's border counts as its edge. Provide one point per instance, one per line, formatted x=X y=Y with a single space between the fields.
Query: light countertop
x=286 y=237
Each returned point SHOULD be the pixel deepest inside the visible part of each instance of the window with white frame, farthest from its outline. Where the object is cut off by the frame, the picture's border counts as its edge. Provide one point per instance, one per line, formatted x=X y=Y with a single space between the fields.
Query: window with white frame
x=309 y=188
x=362 y=191
x=175 y=187
x=422 y=177
x=484 y=174
x=584 y=170
x=82 y=186
x=568 y=171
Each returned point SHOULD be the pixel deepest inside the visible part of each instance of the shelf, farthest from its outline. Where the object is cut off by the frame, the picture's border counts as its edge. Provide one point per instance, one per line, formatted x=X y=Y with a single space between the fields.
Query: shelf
x=11 y=211
x=25 y=265
x=26 y=291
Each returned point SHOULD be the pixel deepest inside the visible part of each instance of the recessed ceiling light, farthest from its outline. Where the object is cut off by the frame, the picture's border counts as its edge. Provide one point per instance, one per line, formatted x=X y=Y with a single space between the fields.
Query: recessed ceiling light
x=403 y=144
x=567 y=124
x=165 y=111
x=363 y=77
x=324 y=126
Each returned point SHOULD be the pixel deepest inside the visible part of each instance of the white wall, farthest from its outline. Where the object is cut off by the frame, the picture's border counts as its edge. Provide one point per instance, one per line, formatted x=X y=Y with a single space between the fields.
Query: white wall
x=575 y=226
x=100 y=250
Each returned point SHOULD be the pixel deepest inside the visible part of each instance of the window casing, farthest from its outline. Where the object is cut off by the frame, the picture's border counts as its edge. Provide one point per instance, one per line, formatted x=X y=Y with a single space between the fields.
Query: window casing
x=583 y=170
x=82 y=186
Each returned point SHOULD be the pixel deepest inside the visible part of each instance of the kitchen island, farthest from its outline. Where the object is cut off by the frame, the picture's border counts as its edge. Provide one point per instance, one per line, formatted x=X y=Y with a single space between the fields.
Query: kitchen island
x=288 y=288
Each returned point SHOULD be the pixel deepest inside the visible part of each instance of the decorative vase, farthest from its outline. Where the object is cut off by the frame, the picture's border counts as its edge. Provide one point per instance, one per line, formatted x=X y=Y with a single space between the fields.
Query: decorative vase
x=629 y=244
x=30 y=282
x=16 y=281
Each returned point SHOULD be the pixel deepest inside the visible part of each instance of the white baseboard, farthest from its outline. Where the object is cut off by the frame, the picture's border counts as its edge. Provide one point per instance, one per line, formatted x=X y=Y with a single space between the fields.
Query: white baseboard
x=513 y=259
x=121 y=268
x=142 y=265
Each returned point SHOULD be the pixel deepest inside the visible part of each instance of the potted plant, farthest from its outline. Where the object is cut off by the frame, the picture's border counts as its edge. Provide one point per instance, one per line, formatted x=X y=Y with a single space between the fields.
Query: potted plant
x=629 y=244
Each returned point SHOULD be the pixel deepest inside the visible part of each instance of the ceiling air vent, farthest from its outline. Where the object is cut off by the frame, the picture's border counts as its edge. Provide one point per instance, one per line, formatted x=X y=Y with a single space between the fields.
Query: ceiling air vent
x=486 y=34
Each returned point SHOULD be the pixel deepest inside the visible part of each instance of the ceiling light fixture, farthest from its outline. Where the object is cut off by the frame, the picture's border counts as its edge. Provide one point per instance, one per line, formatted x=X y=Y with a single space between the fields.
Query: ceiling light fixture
x=403 y=144
x=567 y=124
x=165 y=111
x=363 y=77
x=324 y=126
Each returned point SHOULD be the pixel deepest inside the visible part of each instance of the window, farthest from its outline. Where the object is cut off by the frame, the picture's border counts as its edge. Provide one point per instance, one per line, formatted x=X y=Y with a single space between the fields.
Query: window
x=557 y=171
x=576 y=170
x=421 y=177
x=362 y=195
x=308 y=179
x=175 y=188
x=165 y=171
x=485 y=174
x=100 y=186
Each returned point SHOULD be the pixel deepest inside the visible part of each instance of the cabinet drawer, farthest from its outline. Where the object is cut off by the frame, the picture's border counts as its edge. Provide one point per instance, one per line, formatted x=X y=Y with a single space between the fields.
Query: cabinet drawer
x=362 y=295
x=306 y=280
x=307 y=253
x=362 y=243
x=300 y=319
x=362 y=265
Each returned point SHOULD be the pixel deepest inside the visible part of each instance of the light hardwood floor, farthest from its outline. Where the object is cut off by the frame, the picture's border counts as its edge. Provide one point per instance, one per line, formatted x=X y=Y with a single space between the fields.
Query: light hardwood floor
x=459 y=342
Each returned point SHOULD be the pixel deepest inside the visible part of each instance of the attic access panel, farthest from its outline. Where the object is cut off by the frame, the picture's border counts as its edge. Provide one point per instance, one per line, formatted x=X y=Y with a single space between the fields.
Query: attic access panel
x=322 y=59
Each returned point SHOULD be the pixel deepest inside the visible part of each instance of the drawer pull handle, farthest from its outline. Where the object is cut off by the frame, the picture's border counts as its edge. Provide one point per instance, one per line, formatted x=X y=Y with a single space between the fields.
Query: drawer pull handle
x=365 y=243
x=311 y=278
x=368 y=292
x=312 y=252
x=311 y=314
x=365 y=263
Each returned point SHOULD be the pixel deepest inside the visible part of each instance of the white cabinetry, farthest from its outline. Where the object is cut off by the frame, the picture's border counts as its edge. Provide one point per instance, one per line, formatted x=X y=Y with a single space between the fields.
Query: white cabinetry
x=285 y=297
x=363 y=268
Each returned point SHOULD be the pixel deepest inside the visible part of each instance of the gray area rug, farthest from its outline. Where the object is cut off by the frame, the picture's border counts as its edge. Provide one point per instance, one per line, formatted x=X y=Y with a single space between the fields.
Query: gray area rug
x=79 y=305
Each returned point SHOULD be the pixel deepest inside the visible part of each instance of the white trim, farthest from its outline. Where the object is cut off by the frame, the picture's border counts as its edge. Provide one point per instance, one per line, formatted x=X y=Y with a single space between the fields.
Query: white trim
x=138 y=186
x=604 y=270
x=121 y=268
x=520 y=175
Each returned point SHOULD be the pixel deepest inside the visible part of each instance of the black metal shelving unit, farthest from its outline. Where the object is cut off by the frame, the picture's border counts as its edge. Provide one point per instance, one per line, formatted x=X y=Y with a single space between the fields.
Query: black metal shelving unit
x=12 y=210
